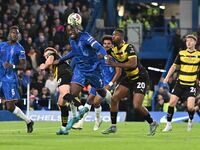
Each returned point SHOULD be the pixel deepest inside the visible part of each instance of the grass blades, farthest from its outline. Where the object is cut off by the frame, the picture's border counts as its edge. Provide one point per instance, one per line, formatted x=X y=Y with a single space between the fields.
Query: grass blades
x=130 y=136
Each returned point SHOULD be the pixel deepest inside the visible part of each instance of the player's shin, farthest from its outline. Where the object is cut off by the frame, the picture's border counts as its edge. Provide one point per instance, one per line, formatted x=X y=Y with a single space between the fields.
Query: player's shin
x=18 y=112
x=108 y=97
x=191 y=114
x=73 y=109
x=148 y=118
x=170 y=113
x=113 y=118
x=98 y=110
x=64 y=115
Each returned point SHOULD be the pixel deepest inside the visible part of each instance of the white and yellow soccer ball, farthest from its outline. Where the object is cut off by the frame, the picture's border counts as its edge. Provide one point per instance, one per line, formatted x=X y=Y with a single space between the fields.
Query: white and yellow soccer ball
x=74 y=19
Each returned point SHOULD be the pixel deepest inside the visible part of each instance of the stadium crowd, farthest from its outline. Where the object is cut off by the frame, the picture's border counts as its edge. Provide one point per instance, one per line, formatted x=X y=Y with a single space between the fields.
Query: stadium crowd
x=41 y=24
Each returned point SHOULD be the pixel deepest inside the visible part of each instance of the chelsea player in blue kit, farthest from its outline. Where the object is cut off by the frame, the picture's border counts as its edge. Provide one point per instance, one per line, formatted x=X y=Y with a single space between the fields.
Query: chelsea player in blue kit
x=12 y=58
x=85 y=51
x=110 y=76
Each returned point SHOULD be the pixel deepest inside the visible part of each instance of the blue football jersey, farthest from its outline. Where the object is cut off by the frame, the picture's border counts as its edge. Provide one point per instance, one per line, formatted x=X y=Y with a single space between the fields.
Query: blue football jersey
x=108 y=72
x=12 y=54
x=85 y=50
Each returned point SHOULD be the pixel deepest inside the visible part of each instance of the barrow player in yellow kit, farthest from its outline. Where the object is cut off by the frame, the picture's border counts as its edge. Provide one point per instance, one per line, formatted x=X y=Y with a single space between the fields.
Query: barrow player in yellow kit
x=135 y=80
x=187 y=61
x=63 y=75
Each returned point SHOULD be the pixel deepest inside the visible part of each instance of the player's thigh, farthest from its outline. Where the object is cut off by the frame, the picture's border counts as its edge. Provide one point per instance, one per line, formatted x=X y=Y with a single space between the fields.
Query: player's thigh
x=177 y=92
x=10 y=91
x=77 y=83
x=75 y=88
x=96 y=80
x=120 y=92
x=138 y=99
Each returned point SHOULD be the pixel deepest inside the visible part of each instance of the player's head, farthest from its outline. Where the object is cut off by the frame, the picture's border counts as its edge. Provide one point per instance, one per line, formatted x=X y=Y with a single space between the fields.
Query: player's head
x=107 y=42
x=72 y=31
x=14 y=34
x=118 y=36
x=48 y=51
x=191 y=41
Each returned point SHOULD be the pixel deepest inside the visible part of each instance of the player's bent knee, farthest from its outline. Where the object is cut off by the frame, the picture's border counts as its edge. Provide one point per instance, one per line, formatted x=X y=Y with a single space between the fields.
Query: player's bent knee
x=137 y=107
x=68 y=97
x=96 y=105
x=190 y=108
x=114 y=100
x=172 y=103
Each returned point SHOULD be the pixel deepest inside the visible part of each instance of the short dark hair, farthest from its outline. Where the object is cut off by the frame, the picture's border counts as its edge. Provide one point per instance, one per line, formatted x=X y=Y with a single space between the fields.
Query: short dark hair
x=14 y=27
x=121 y=31
x=107 y=37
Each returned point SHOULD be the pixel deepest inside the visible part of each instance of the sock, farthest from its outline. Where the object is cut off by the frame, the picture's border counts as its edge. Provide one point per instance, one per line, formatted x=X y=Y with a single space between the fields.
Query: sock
x=170 y=113
x=64 y=115
x=18 y=112
x=73 y=110
x=191 y=114
x=98 y=112
x=148 y=118
x=113 y=118
x=88 y=106
x=108 y=97
x=80 y=107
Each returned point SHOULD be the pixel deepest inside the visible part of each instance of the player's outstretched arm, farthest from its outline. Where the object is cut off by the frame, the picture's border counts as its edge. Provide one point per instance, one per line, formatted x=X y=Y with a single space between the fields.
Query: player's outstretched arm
x=66 y=57
x=170 y=72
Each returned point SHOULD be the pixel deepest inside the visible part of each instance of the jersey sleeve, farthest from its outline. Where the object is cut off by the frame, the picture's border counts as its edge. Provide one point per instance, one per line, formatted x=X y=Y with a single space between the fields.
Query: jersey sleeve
x=67 y=56
x=89 y=40
x=177 y=60
x=21 y=53
x=131 y=51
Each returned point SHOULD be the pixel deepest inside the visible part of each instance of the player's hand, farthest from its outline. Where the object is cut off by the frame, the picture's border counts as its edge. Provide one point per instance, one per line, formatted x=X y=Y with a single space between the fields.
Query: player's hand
x=108 y=87
x=56 y=62
x=7 y=65
x=42 y=66
x=110 y=61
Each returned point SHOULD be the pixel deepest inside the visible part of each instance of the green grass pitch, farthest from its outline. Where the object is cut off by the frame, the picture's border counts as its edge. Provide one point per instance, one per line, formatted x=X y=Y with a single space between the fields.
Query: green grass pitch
x=130 y=136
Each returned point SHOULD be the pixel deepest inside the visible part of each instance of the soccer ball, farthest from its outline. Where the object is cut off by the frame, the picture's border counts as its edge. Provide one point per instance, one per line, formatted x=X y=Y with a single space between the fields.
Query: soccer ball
x=74 y=19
